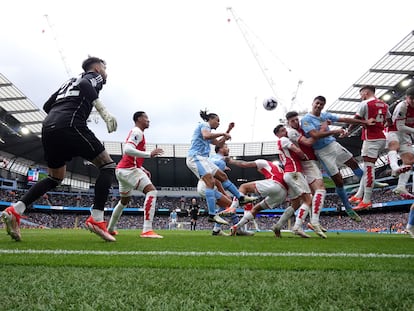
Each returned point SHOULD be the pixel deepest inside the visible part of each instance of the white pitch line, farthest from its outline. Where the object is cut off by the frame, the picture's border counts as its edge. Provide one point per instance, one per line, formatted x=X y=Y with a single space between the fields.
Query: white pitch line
x=195 y=254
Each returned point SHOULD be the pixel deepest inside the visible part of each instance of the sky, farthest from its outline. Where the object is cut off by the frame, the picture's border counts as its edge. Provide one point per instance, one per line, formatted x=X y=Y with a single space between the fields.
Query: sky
x=172 y=59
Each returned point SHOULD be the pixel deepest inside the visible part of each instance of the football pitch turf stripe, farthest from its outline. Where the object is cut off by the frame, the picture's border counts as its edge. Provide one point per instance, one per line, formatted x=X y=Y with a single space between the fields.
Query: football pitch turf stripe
x=195 y=254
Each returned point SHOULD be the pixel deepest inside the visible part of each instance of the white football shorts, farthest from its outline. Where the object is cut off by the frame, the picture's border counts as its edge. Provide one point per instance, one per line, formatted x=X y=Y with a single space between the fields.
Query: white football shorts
x=333 y=156
x=297 y=184
x=131 y=179
x=311 y=170
x=373 y=148
x=273 y=192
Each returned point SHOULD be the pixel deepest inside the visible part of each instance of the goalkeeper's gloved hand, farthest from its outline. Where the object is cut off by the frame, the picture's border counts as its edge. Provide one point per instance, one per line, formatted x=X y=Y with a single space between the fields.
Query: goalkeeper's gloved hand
x=109 y=119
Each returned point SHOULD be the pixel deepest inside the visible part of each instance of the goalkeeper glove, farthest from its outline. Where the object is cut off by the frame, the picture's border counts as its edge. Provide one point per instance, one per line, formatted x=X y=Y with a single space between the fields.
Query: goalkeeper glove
x=109 y=119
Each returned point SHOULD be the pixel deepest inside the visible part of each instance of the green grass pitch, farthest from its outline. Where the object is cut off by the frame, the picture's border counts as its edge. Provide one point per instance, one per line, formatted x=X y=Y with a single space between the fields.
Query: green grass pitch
x=192 y=270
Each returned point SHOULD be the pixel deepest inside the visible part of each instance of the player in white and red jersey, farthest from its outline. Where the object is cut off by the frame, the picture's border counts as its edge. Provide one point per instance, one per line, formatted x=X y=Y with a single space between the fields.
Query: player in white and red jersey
x=247 y=208
x=132 y=175
x=311 y=171
x=299 y=192
x=399 y=141
x=273 y=188
x=374 y=142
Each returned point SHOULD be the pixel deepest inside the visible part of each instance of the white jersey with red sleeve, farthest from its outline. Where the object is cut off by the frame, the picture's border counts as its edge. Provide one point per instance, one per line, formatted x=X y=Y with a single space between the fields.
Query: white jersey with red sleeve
x=271 y=171
x=296 y=135
x=290 y=160
x=137 y=139
x=373 y=108
x=403 y=112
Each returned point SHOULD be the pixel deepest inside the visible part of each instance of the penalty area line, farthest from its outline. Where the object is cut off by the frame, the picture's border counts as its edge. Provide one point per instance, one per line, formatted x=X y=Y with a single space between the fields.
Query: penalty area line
x=197 y=254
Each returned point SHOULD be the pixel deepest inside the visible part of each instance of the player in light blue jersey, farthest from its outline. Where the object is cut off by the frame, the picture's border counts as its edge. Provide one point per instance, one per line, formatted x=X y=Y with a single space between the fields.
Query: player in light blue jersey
x=198 y=162
x=219 y=159
x=330 y=153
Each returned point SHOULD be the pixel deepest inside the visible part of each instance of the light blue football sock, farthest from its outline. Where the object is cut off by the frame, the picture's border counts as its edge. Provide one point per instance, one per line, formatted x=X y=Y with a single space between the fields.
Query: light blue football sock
x=359 y=172
x=211 y=201
x=344 y=198
x=228 y=185
x=411 y=217
x=234 y=219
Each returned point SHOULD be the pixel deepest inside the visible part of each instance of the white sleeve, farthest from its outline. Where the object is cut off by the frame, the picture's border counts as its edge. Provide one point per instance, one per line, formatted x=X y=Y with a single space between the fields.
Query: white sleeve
x=286 y=142
x=399 y=117
x=362 y=110
x=401 y=127
x=293 y=135
x=134 y=138
x=388 y=115
x=400 y=112
x=260 y=163
x=130 y=150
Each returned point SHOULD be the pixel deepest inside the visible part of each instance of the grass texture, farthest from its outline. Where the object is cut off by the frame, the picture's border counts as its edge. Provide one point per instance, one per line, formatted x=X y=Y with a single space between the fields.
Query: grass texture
x=192 y=270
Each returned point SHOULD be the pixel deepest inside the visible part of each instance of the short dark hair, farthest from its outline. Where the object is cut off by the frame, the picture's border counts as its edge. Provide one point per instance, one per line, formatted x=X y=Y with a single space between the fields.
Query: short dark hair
x=87 y=63
x=277 y=128
x=410 y=91
x=321 y=98
x=368 y=87
x=291 y=114
x=137 y=115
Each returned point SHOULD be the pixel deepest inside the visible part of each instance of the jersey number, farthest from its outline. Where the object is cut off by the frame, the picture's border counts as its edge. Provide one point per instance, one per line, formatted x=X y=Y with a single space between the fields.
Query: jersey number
x=67 y=89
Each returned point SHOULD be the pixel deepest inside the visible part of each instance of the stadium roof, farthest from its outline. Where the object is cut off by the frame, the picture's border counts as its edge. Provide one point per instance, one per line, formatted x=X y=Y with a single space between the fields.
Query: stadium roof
x=391 y=76
x=20 y=123
x=17 y=111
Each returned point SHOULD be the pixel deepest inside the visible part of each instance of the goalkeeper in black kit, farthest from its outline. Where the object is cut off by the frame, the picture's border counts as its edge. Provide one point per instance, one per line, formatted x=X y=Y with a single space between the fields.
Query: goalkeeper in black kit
x=65 y=135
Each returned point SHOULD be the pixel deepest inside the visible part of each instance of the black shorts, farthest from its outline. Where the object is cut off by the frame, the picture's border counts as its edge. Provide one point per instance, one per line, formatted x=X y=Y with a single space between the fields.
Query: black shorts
x=62 y=145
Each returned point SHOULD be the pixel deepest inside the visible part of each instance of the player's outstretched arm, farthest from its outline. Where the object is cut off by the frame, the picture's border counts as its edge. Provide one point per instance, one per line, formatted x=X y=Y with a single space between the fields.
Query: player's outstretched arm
x=241 y=163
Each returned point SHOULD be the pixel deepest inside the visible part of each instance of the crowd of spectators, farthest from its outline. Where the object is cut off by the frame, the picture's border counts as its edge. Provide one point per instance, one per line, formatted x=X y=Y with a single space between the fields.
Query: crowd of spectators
x=373 y=222
x=380 y=220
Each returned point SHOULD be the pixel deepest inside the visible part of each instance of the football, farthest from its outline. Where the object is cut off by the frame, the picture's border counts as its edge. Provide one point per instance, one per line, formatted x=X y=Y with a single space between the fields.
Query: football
x=270 y=103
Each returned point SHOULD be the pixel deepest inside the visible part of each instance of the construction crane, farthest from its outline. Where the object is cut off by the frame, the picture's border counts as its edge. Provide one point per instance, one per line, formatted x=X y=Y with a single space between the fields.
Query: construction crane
x=294 y=105
x=60 y=50
x=247 y=35
x=94 y=116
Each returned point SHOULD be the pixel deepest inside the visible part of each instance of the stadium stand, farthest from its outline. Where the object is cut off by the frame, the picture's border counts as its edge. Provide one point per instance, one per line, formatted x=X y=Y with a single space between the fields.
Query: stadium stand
x=20 y=153
x=70 y=210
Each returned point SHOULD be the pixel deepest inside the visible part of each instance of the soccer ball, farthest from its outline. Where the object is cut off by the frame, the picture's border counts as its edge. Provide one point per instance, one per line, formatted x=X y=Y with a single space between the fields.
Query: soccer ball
x=270 y=103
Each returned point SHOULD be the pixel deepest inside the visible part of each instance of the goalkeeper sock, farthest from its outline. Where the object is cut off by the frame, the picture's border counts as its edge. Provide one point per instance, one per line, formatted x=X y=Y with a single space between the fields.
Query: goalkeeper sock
x=97 y=215
x=19 y=207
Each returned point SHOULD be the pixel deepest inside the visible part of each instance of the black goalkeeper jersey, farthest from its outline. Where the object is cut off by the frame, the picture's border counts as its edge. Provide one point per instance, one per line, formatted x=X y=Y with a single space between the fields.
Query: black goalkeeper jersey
x=71 y=105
